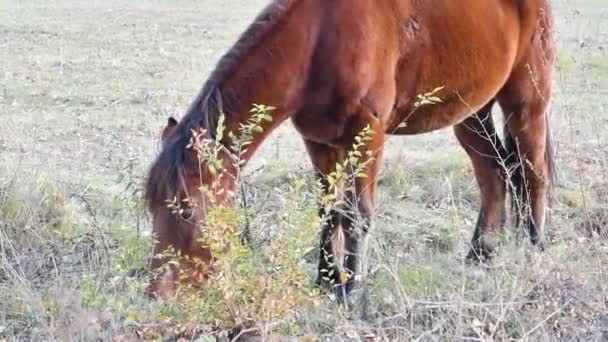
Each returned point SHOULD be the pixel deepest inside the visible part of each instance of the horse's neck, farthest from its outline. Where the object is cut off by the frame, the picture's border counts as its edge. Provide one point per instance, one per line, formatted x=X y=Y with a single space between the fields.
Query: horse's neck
x=274 y=71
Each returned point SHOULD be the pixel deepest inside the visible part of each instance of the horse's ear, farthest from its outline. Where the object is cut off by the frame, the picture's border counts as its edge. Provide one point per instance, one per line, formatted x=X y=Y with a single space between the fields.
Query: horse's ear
x=171 y=122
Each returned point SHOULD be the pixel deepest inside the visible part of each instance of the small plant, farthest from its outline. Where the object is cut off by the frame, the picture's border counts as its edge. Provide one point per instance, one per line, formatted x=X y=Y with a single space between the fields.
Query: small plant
x=241 y=286
x=426 y=99
x=357 y=160
x=341 y=182
x=131 y=197
x=429 y=98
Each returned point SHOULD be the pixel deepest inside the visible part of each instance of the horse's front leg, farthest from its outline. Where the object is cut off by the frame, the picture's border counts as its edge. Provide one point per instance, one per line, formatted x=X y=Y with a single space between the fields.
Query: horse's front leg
x=347 y=223
x=357 y=221
x=324 y=159
x=163 y=280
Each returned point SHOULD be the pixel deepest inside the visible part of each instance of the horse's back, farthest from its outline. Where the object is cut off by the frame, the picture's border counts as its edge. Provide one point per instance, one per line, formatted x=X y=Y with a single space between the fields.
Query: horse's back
x=471 y=47
x=384 y=53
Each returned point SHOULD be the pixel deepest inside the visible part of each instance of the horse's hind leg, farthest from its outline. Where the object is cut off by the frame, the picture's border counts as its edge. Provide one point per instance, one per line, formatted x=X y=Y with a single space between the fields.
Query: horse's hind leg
x=478 y=137
x=524 y=101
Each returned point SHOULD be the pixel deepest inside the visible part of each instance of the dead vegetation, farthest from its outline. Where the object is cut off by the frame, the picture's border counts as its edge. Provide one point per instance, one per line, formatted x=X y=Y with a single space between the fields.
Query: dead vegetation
x=81 y=104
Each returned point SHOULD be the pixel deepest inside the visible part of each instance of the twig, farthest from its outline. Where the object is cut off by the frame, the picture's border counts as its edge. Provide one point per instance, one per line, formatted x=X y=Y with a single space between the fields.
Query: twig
x=246 y=234
x=257 y=328
x=94 y=222
x=541 y=323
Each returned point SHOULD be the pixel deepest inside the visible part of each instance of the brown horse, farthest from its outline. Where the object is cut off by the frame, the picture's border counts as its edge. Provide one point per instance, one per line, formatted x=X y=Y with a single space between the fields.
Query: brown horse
x=336 y=67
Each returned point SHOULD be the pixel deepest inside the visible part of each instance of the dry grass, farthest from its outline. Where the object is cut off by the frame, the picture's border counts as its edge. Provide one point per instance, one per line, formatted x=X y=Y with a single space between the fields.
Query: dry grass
x=85 y=87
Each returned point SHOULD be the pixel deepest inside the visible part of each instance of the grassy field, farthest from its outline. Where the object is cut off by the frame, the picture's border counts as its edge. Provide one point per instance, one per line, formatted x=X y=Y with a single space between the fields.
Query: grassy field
x=85 y=87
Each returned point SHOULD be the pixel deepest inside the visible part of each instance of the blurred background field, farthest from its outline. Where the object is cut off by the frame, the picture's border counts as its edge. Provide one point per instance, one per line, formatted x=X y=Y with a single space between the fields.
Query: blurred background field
x=85 y=87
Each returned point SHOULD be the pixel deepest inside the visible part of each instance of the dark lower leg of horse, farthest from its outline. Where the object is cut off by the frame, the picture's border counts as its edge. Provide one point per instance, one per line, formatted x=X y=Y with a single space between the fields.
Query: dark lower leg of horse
x=485 y=239
x=340 y=252
x=530 y=202
x=530 y=179
x=326 y=259
x=355 y=233
x=478 y=137
x=328 y=273
x=356 y=223
x=536 y=221
x=324 y=159
x=340 y=246
x=344 y=253
x=163 y=283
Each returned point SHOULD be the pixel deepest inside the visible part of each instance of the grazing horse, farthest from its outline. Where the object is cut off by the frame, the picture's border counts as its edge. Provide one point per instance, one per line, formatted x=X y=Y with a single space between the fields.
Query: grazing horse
x=337 y=67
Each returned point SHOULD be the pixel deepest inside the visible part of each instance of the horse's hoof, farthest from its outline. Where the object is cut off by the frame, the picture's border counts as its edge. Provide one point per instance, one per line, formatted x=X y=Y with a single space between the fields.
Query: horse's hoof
x=150 y=292
x=541 y=246
x=325 y=283
x=349 y=293
x=539 y=243
x=478 y=255
x=341 y=294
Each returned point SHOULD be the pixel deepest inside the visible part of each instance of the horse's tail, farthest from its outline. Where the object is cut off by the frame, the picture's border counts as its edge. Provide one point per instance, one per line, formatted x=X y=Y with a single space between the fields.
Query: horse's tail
x=516 y=178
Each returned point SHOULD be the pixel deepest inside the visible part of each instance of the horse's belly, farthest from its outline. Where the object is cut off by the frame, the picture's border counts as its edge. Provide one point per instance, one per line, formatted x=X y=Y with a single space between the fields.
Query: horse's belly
x=433 y=117
x=466 y=88
x=469 y=55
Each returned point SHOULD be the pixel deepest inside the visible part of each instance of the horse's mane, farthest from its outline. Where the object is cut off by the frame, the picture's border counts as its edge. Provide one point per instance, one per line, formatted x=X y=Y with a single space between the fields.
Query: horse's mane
x=166 y=174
